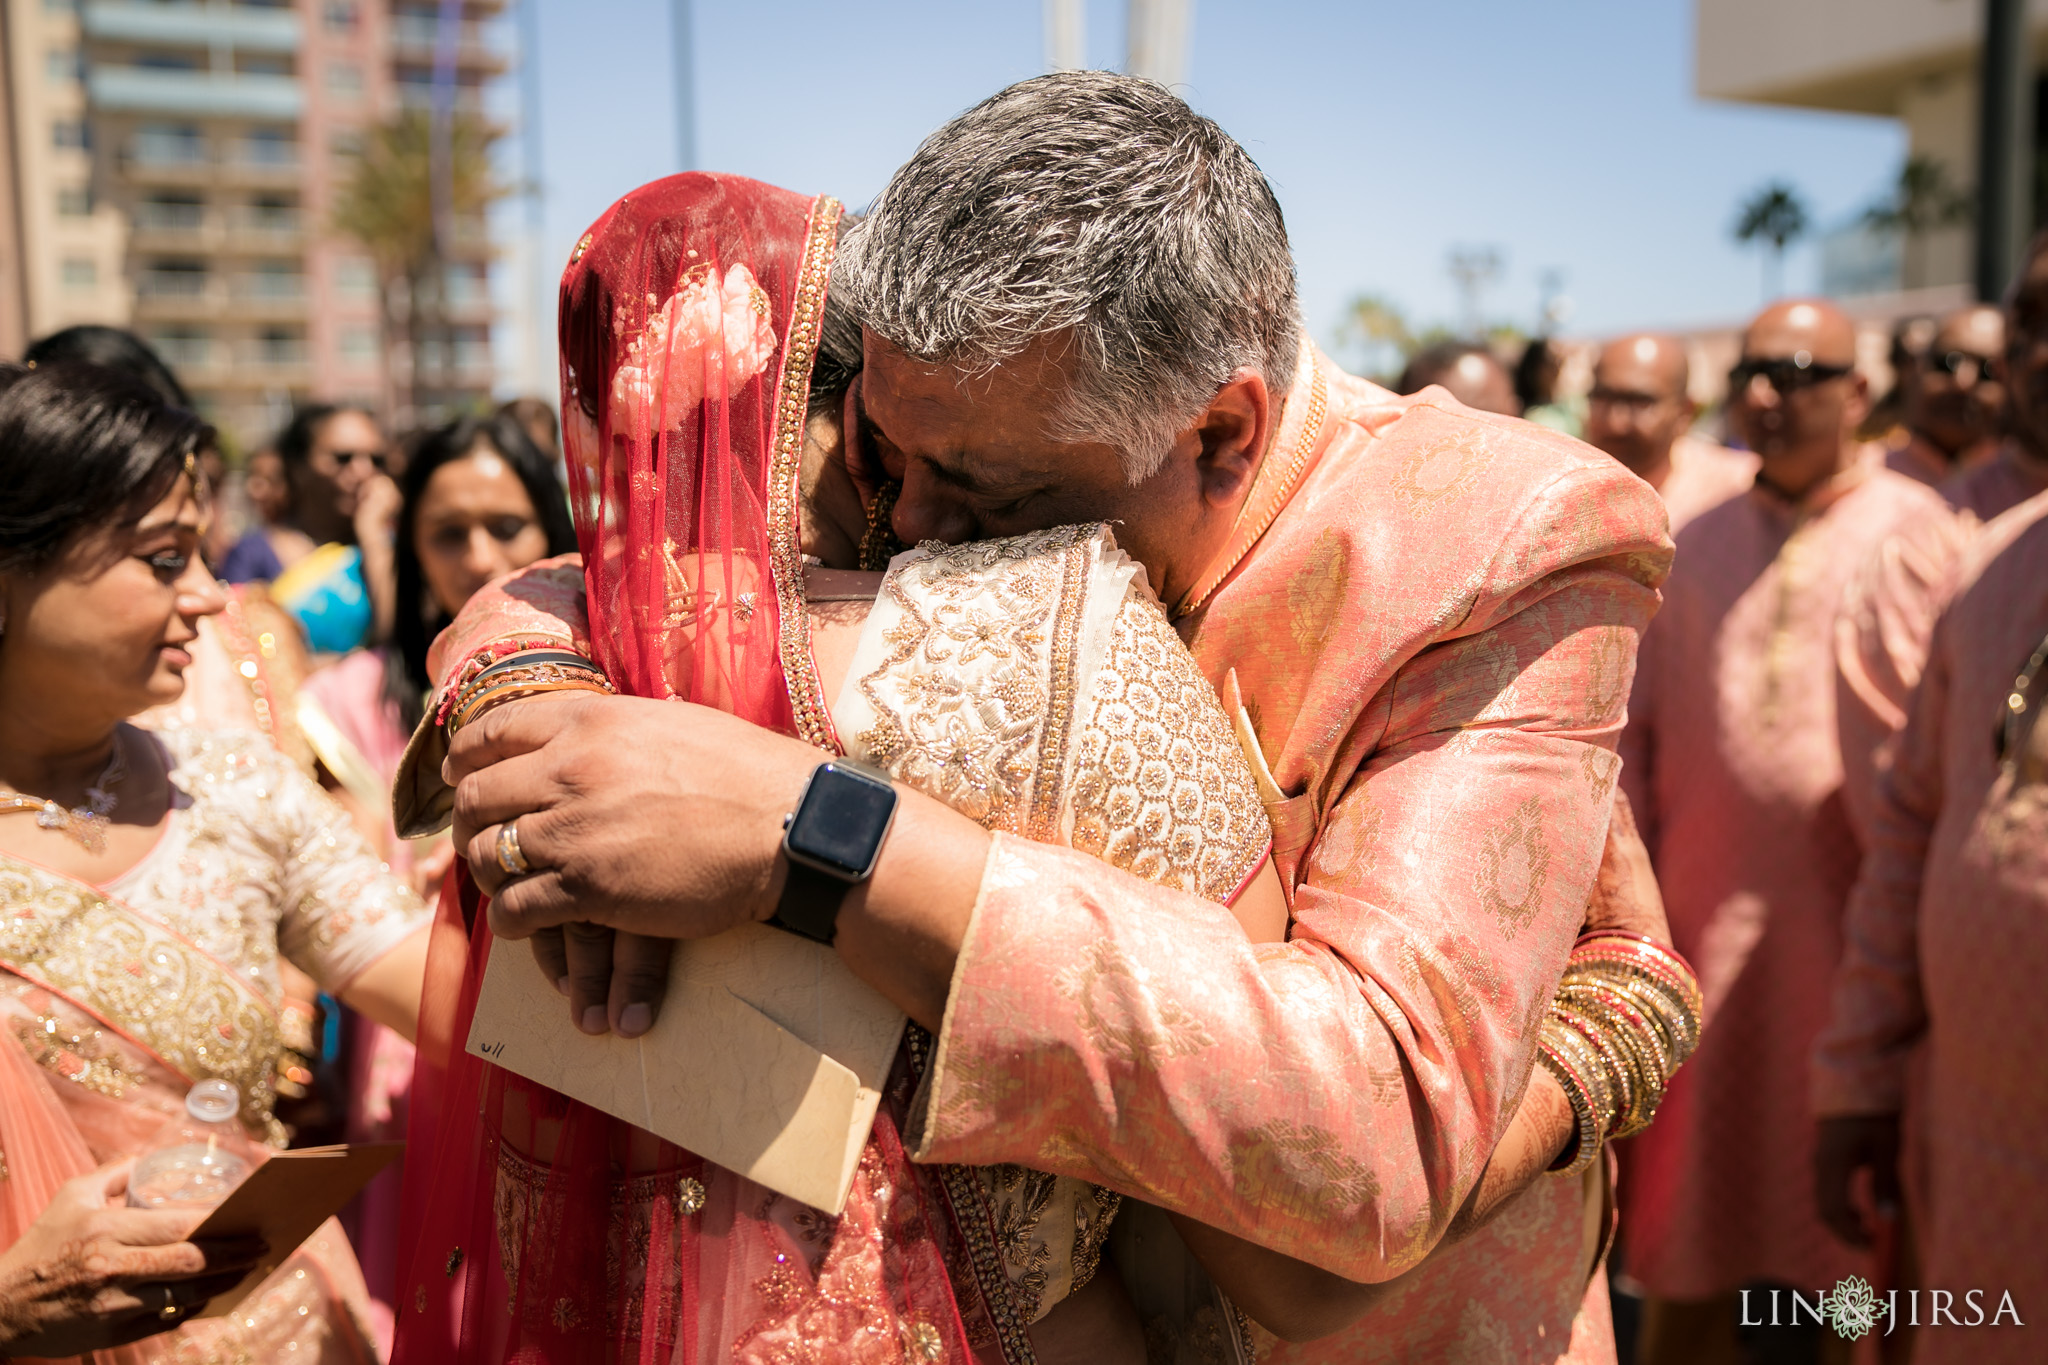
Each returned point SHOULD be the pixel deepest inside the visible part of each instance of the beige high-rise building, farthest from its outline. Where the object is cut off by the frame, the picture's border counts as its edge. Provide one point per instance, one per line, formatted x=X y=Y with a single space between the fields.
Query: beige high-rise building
x=1912 y=60
x=172 y=166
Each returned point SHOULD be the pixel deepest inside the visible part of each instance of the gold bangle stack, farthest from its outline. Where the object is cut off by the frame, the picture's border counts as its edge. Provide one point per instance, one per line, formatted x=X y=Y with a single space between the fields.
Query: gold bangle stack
x=1624 y=1019
x=527 y=673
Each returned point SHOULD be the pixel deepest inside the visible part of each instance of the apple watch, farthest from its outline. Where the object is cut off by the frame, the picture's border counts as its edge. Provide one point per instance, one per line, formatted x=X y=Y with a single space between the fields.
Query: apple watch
x=833 y=840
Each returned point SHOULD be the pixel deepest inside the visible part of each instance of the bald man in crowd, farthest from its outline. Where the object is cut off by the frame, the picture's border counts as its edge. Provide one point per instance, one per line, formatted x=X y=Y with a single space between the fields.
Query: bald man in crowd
x=1472 y=374
x=1640 y=412
x=1731 y=761
x=1953 y=400
x=1889 y=608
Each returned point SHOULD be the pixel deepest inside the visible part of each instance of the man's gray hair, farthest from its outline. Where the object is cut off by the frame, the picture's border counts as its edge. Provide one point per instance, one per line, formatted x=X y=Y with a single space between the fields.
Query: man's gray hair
x=1100 y=209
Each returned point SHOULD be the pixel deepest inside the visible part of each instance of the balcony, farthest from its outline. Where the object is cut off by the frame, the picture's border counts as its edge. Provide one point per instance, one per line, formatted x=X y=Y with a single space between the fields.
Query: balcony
x=261 y=230
x=194 y=296
x=170 y=217
x=173 y=284
x=469 y=102
x=415 y=38
x=192 y=228
x=182 y=351
x=251 y=28
x=195 y=93
x=169 y=227
x=154 y=159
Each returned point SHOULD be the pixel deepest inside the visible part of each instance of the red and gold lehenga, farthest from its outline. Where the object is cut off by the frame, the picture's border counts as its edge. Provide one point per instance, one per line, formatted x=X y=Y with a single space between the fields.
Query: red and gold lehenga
x=1033 y=683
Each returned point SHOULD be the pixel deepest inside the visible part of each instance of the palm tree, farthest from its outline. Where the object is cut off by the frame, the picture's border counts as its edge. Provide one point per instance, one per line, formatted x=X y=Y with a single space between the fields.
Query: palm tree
x=388 y=205
x=1920 y=202
x=1374 y=324
x=1776 y=217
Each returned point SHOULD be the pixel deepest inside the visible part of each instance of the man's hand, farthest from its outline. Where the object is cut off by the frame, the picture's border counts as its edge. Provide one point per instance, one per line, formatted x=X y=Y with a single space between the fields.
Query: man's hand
x=1848 y=1144
x=660 y=819
x=90 y=1274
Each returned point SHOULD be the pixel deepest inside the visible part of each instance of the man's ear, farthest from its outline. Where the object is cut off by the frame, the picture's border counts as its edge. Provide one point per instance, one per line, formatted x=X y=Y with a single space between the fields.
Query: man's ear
x=1859 y=399
x=1234 y=431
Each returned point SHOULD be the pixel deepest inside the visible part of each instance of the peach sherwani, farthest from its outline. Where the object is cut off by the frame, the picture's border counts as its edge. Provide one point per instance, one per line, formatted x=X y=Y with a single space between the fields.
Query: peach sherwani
x=1734 y=771
x=1431 y=617
x=1947 y=943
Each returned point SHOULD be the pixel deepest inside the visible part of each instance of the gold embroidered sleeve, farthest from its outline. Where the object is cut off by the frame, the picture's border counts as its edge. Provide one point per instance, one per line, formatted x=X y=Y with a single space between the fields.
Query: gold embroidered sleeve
x=1161 y=788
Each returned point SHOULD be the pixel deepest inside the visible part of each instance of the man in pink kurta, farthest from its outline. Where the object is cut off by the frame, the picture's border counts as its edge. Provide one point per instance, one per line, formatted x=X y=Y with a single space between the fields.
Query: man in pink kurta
x=1889 y=607
x=1640 y=412
x=1427 y=616
x=1439 y=705
x=1732 y=763
x=1947 y=947
x=1953 y=402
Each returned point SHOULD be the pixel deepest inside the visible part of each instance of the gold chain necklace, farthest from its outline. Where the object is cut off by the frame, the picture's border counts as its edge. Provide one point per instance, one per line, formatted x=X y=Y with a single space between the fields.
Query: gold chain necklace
x=87 y=823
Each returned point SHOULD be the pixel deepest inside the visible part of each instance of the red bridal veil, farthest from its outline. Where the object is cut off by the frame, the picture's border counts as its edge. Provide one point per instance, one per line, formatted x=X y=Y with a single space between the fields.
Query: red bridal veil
x=542 y=1230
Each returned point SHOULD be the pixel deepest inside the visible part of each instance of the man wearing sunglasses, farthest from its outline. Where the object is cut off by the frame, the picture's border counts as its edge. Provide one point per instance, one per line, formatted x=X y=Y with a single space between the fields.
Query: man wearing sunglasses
x=1731 y=753
x=1954 y=399
x=1947 y=930
x=1889 y=608
x=1641 y=412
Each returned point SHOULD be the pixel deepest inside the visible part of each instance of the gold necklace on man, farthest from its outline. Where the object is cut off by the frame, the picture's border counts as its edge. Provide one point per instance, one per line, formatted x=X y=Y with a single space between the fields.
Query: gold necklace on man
x=87 y=823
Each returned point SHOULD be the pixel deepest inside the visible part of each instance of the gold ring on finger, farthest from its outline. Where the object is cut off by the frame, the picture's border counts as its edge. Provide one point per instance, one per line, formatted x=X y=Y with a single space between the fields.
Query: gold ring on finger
x=509 y=857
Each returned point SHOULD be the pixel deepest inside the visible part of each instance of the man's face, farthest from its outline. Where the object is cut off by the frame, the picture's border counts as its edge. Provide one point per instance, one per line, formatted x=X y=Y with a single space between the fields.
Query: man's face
x=976 y=460
x=1951 y=396
x=1482 y=383
x=348 y=451
x=2026 y=355
x=1795 y=395
x=1637 y=407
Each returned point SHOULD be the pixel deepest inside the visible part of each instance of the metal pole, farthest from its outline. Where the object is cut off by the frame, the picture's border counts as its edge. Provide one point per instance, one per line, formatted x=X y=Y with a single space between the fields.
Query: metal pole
x=1158 y=40
x=2005 y=146
x=686 y=90
x=1066 y=27
x=539 y=287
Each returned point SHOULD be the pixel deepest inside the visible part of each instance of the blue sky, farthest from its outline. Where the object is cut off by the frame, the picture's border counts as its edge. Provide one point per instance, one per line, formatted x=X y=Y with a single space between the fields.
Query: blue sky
x=1565 y=134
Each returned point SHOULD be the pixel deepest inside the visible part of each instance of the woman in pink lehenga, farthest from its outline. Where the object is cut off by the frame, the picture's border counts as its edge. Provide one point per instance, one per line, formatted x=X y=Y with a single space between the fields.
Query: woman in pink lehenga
x=151 y=883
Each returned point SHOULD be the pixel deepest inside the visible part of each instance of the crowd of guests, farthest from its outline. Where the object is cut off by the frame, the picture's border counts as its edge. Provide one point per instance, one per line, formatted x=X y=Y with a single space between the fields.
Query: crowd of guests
x=302 y=638
x=1830 y=752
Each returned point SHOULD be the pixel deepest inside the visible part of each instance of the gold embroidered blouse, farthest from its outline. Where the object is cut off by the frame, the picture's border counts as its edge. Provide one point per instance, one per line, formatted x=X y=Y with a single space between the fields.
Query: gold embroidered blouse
x=180 y=952
x=1036 y=684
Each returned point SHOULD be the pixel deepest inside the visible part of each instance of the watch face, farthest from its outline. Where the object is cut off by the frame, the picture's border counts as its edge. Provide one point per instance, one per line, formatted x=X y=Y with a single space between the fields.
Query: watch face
x=842 y=820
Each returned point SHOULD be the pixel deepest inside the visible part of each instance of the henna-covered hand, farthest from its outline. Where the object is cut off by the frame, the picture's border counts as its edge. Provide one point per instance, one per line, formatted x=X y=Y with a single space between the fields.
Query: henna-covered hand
x=91 y=1273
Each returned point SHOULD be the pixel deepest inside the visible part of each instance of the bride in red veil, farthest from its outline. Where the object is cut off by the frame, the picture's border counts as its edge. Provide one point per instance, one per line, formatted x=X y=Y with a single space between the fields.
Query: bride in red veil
x=544 y=1230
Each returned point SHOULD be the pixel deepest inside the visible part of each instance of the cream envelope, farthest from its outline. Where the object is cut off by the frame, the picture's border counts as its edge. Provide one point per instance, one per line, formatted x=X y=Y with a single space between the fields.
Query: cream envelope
x=768 y=1058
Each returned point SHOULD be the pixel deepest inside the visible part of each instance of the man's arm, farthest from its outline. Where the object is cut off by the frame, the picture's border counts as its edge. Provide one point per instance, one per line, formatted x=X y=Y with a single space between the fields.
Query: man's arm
x=1859 y=1062
x=1334 y=1098
x=1881 y=640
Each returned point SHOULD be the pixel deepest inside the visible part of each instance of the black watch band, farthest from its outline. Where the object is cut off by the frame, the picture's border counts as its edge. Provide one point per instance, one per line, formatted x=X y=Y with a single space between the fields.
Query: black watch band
x=810 y=903
x=832 y=841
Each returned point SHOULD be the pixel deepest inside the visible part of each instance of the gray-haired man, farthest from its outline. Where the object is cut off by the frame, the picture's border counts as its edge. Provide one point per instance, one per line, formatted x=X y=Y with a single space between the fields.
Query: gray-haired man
x=1079 y=305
